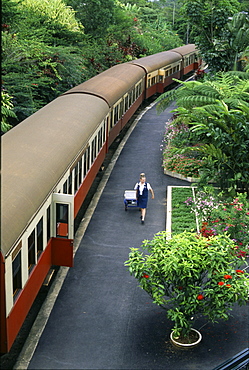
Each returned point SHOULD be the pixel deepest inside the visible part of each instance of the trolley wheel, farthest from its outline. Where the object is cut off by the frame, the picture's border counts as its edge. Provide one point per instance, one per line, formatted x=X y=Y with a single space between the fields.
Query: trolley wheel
x=125 y=208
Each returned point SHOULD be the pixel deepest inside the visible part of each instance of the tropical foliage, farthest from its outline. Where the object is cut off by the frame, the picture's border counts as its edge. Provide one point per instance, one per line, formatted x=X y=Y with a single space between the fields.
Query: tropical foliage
x=49 y=46
x=6 y=111
x=216 y=118
x=219 y=30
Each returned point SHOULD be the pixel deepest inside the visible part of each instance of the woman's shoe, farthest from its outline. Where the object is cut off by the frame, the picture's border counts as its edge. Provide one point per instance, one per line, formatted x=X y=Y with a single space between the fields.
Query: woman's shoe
x=142 y=222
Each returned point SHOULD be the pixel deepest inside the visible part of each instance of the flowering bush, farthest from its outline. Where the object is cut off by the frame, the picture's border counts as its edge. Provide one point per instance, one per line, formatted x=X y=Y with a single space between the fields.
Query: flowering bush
x=178 y=135
x=189 y=275
x=219 y=217
x=202 y=205
x=181 y=164
x=233 y=218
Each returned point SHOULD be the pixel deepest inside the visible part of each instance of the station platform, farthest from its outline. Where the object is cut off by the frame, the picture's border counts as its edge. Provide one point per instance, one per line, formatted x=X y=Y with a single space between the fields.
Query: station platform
x=101 y=319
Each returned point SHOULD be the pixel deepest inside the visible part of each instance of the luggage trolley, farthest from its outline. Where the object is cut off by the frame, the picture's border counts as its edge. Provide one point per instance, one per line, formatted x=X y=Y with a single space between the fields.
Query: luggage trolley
x=130 y=198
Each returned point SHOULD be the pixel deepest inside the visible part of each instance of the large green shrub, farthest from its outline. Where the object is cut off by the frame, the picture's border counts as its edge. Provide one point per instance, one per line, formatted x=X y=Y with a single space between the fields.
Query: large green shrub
x=189 y=275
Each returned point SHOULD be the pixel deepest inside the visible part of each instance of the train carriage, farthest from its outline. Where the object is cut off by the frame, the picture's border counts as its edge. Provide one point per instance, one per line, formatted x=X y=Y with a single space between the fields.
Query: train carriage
x=42 y=190
x=160 y=69
x=122 y=87
x=189 y=58
x=49 y=162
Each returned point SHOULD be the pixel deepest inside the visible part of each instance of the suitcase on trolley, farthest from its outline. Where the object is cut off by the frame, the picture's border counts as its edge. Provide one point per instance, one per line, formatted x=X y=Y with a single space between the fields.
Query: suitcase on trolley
x=130 y=198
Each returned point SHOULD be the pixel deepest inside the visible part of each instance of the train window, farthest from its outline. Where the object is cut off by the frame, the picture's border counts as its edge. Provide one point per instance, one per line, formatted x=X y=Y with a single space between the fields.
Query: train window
x=84 y=164
x=39 y=237
x=132 y=96
x=31 y=251
x=95 y=146
x=126 y=103
x=100 y=135
x=70 y=180
x=186 y=62
x=111 y=119
x=61 y=220
x=137 y=91
x=121 y=108
x=76 y=175
x=104 y=130
x=48 y=223
x=80 y=171
x=17 y=274
x=65 y=187
x=115 y=114
x=86 y=161
x=94 y=149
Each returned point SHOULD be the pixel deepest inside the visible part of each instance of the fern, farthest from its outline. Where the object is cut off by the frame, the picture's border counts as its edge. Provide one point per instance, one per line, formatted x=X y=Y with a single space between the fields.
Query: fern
x=228 y=88
x=196 y=100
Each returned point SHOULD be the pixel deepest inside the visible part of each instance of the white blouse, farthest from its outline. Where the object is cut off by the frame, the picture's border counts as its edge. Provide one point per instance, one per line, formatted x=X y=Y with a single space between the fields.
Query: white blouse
x=141 y=187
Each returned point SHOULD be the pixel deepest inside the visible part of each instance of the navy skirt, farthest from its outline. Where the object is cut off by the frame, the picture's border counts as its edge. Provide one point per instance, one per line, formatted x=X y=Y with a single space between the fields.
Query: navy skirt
x=142 y=201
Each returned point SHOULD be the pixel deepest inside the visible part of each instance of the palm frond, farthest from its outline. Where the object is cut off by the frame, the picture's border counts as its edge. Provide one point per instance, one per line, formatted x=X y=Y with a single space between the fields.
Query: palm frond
x=196 y=100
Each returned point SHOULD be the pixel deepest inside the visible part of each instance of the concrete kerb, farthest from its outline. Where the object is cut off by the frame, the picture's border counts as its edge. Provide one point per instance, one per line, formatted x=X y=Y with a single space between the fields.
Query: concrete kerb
x=37 y=329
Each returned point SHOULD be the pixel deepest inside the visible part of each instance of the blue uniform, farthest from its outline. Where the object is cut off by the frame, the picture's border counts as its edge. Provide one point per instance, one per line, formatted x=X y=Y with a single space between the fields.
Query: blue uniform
x=142 y=195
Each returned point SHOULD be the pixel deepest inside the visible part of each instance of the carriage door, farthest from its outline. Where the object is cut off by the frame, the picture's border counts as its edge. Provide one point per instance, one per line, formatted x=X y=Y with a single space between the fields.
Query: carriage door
x=63 y=216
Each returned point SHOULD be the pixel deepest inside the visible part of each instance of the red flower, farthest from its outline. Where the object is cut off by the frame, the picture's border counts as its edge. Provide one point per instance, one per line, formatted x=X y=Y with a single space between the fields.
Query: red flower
x=242 y=254
x=228 y=285
x=227 y=277
x=221 y=283
x=200 y=297
x=180 y=288
x=240 y=272
x=146 y=276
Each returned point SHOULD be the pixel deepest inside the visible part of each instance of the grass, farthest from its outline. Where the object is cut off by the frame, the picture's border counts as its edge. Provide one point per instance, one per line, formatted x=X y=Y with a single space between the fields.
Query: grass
x=182 y=219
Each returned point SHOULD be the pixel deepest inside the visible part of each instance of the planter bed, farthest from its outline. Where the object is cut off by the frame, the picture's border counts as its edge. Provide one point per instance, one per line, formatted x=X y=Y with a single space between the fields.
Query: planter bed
x=179 y=216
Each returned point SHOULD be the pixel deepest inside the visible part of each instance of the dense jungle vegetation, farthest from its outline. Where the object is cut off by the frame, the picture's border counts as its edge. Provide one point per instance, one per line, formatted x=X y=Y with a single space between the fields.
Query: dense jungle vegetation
x=49 y=46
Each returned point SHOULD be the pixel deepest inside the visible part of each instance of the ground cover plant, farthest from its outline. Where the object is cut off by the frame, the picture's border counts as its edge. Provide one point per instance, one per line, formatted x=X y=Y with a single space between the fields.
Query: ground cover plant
x=182 y=217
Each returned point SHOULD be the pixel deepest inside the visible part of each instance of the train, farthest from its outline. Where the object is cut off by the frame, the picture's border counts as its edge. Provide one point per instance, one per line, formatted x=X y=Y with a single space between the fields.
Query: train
x=49 y=162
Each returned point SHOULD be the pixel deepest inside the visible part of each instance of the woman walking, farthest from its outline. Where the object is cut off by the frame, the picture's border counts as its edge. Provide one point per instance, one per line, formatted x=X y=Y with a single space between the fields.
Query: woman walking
x=142 y=187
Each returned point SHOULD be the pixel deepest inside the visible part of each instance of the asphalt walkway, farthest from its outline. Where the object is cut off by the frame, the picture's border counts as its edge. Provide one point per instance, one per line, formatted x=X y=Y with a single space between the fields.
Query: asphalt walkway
x=101 y=318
